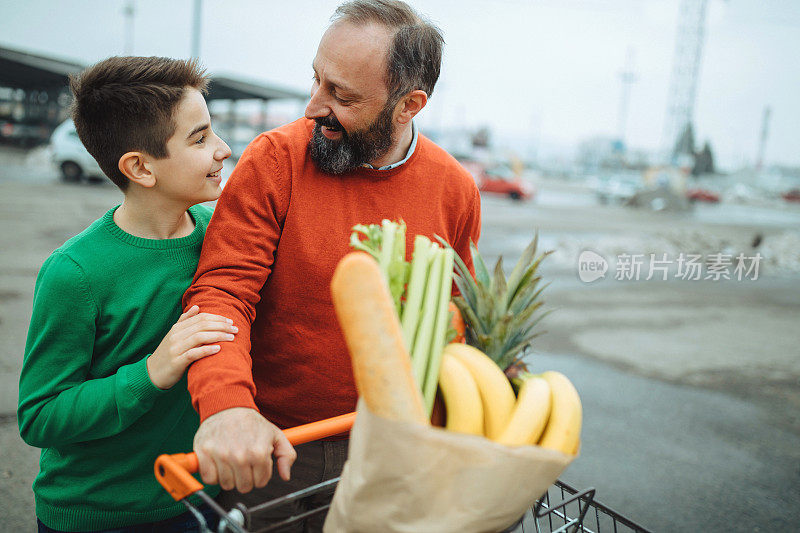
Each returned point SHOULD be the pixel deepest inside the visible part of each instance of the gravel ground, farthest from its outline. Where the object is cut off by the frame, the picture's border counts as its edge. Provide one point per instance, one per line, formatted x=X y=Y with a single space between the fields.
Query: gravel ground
x=710 y=342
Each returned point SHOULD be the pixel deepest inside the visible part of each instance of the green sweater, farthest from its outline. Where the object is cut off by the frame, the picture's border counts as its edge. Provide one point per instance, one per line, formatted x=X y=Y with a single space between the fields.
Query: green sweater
x=103 y=302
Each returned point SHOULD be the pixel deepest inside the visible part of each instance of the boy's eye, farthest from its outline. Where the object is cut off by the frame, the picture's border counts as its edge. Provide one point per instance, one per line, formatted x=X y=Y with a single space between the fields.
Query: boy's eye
x=201 y=140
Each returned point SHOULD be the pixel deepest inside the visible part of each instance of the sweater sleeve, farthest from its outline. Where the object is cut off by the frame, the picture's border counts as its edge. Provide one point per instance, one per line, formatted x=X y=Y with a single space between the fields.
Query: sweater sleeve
x=59 y=403
x=237 y=257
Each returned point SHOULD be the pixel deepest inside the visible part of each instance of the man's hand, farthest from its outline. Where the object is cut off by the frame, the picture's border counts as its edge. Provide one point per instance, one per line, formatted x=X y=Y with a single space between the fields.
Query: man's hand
x=234 y=449
x=187 y=341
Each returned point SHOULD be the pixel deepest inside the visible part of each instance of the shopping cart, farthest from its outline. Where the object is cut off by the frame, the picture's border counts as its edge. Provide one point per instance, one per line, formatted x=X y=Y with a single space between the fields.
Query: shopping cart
x=562 y=509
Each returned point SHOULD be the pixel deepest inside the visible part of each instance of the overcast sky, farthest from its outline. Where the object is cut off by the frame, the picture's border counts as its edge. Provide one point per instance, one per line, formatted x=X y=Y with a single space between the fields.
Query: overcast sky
x=543 y=71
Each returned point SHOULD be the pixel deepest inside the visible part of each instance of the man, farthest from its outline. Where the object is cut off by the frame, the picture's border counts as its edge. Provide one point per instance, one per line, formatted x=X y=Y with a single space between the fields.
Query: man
x=283 y=223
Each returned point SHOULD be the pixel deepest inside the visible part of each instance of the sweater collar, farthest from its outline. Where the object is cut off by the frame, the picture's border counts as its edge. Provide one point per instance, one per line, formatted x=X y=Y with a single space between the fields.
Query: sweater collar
x=410 y=152
x=195 y=237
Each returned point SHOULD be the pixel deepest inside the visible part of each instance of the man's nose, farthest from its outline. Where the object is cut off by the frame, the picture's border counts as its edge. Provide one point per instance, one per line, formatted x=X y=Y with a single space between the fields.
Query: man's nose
x=317 y=107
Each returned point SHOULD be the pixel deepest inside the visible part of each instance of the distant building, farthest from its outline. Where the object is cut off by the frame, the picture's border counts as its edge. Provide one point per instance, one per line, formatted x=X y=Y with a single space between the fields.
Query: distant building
x=34 y=96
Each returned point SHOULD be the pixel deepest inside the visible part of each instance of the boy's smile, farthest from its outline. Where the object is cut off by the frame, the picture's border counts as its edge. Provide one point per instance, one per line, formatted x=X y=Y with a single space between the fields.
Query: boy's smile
x=216 y=176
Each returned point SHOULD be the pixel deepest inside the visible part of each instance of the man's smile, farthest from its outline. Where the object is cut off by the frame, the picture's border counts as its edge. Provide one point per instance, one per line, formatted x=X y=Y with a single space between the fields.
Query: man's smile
x=331 y=133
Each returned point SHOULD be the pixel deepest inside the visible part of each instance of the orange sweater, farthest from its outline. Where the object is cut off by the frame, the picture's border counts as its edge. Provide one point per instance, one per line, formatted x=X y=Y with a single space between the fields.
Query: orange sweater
x=277 y=233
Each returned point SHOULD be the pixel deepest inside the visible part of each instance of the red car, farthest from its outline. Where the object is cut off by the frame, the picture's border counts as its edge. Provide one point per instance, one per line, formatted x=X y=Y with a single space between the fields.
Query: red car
x=499 y=179
x=702 y=195
x=791 y=195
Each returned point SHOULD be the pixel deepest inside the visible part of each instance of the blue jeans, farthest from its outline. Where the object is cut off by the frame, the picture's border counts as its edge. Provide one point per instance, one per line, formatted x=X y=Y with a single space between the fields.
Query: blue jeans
x=184 y=523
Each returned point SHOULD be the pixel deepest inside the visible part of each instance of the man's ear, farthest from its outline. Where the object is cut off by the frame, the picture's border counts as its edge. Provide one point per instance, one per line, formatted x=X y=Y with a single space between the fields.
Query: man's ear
x=136 y=168
x=410 y=105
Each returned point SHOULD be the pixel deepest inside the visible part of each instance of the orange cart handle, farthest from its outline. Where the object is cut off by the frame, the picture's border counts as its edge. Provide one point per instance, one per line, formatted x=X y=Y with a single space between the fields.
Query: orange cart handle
x=174 y=472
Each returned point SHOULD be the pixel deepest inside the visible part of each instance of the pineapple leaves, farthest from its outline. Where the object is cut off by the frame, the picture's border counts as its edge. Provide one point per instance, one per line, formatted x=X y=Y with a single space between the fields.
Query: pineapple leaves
x=469 y=315
x=498 y=288
x=502 y=313
x=481 y=272
x=527 y=277
x=522 y=267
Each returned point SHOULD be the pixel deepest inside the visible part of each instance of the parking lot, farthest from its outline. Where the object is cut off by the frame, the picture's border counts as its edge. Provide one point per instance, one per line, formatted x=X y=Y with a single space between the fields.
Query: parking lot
x=689 y=387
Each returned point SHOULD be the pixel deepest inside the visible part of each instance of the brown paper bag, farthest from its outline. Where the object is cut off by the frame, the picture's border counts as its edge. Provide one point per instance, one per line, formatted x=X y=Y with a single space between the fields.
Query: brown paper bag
x=405 y=477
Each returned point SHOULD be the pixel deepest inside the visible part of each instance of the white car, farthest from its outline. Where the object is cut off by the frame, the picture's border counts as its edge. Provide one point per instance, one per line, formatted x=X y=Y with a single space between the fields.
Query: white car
x=615 y=189
x=71 y=157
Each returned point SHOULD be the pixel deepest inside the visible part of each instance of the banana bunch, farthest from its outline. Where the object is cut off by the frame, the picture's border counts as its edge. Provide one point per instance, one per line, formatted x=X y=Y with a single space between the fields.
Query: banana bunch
x=479 y=400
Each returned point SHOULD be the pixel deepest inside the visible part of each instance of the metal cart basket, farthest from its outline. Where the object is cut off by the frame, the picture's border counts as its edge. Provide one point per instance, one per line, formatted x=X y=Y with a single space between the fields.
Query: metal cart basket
x=561 y=509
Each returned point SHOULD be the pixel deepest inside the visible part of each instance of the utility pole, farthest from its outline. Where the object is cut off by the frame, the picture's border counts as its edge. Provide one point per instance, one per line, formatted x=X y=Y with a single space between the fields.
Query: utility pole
x=198 y=11
x=628 y=78
x=129 y=11
x=762 y=144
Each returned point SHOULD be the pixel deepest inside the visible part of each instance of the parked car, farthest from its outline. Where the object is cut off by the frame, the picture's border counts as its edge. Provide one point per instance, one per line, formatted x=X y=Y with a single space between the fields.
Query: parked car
x=698 y=194
x=792 y=195
x=24 y=135
x=615 y=189
x=501 y=179
x=71 y=157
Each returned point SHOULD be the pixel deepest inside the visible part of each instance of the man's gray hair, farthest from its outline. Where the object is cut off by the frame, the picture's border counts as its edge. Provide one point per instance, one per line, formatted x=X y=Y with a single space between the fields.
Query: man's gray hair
x=414 y=58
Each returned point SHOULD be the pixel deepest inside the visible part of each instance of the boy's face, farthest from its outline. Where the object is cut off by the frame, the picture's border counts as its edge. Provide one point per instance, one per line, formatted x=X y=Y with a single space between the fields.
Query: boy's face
x=191 y=172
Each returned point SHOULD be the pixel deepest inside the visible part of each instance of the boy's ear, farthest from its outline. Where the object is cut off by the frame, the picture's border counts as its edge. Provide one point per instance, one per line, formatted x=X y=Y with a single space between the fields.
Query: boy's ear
x=410 y=105
x=136 y=168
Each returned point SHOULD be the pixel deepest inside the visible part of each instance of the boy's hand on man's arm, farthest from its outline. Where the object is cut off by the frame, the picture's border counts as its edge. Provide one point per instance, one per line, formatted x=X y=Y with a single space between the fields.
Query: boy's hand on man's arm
x=189 y=340
x=234 y=449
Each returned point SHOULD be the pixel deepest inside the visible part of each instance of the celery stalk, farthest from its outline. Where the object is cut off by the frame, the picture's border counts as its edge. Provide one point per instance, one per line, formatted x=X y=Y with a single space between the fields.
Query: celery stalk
x=399 y=252
x=440 y=328
x=387 y=246
x=420 y=264
x=398 y=267
x=422 y=343
x=386 y=242
x=371 y=243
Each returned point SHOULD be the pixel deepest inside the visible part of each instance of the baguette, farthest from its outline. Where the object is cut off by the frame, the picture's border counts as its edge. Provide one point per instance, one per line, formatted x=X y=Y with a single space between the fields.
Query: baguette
x=381 y=364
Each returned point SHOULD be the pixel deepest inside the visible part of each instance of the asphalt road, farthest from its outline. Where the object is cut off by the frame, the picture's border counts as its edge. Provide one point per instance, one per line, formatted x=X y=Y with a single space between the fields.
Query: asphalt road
x=690 y=389
x=680 y=458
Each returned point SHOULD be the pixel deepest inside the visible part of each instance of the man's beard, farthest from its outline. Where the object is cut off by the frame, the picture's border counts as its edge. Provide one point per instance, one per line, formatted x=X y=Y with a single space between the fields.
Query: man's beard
x=354 y=148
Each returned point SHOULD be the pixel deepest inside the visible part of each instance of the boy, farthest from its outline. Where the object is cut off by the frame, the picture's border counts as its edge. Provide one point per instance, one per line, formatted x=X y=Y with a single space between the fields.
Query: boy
x=103 y=389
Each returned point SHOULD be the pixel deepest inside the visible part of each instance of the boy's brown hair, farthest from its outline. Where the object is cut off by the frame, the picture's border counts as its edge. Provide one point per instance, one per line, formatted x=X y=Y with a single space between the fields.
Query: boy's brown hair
x=127 y=104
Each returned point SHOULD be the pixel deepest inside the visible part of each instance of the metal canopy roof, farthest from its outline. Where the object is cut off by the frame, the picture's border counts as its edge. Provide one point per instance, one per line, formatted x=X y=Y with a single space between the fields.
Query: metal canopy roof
x=24 y=70
x=227 y=88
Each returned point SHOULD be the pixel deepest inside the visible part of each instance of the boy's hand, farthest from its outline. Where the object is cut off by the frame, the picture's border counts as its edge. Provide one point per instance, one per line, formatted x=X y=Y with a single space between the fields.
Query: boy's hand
x=234 y=448
x=189 y=340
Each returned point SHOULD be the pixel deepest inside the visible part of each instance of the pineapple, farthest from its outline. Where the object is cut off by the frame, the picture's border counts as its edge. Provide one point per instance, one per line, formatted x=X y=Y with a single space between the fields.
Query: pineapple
x=502 y=314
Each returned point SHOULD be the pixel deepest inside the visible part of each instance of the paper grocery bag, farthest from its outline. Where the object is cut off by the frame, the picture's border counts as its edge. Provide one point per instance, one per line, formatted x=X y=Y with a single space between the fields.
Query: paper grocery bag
x=405 y=477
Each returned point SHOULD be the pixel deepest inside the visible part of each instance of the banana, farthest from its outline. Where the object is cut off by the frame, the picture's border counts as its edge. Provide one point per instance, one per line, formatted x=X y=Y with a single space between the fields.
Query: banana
x=530 y=413
x=495 y=389
x=461 y=397
x=564 y=426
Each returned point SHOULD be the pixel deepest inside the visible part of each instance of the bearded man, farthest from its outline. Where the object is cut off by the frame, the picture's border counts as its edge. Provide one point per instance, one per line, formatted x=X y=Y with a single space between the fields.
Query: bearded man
x=283 y=223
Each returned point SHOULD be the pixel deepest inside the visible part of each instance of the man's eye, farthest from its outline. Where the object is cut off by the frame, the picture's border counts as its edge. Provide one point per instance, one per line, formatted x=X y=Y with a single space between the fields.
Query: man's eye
x=201 y=140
